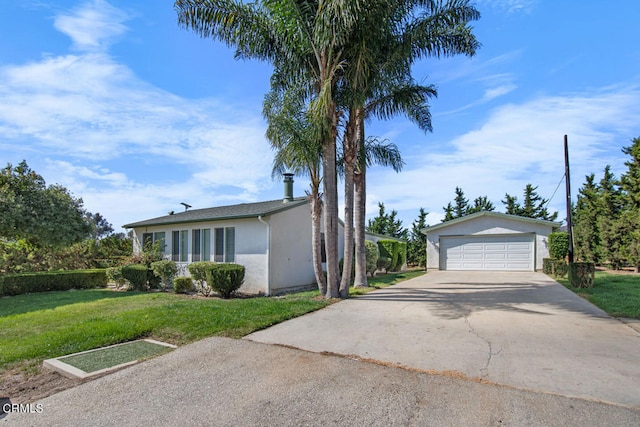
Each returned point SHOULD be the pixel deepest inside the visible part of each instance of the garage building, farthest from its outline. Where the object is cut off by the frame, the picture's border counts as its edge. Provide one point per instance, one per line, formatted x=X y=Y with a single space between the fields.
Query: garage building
x=489 y=241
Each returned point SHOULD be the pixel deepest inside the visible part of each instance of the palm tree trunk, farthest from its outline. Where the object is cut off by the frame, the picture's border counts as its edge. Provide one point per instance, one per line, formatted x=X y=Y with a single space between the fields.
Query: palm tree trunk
x=350 y=158
x=360 y=201
x=330 y=186
x=316 y=238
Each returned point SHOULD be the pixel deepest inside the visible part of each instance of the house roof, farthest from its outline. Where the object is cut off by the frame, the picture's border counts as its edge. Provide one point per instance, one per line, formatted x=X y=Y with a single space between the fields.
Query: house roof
x=243 y=210
x=491 y=214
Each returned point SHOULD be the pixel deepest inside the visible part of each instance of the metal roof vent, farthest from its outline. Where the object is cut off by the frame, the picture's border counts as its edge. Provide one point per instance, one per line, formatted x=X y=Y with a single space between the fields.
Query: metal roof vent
x=288 y=187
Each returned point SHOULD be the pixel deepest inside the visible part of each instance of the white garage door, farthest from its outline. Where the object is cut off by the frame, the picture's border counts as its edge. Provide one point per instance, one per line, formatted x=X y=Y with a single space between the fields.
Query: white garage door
x=503 y=253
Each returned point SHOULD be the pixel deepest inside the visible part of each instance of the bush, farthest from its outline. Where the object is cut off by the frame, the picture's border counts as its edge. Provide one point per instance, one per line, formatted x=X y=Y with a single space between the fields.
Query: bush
x=114 y=274
x=372 y=255
x=581 y=274
x=166 y=270
x=383 y=263
x=198 y=272
x=401 y=249
x=182 y=285
x=17 y=284
x=558 y=245
x=554 y=267
x=388 y=249
x=225 y=279
x=136 y=274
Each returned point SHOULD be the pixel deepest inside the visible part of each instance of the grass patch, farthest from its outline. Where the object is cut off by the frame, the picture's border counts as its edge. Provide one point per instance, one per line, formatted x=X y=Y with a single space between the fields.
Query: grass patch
x=112 y=356
x=617 y=294
x=39 y=326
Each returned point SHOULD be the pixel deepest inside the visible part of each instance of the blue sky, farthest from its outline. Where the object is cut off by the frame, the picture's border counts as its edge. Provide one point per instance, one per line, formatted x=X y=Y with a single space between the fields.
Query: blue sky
x=132 y=113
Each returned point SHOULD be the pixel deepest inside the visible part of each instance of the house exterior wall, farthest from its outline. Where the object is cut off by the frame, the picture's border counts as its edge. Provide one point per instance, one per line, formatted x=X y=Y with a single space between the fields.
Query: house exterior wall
x=487 y=225
x=250 y=247
x=291 y=258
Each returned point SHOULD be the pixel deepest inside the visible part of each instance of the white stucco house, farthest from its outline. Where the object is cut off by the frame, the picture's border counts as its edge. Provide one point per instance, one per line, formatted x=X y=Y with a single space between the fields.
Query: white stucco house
x=272 y=239
x=489 y=241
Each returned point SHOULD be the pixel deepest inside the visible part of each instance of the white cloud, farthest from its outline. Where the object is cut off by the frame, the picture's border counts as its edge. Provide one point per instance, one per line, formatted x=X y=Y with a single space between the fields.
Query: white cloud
x=92 y=26
x=88 y=109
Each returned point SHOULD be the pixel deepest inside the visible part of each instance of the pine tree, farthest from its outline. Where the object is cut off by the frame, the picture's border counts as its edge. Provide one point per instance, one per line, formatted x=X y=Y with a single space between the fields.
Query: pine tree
x=534 y=206
x=586 y=231
x=481 y=204
x=417 y=247
x=387 y=224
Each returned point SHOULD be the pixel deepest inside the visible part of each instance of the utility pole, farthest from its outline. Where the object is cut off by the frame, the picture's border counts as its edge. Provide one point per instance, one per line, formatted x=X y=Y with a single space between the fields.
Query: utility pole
x=568 y=182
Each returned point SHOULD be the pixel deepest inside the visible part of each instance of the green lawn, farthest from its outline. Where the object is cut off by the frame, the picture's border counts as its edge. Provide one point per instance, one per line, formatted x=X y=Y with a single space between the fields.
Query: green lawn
x=39 y=326
x=617 y=294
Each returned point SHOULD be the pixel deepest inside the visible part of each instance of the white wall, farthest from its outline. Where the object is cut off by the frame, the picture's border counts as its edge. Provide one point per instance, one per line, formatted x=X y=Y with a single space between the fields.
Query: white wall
x=291 y=260
x=250 y=247
x=489 y=225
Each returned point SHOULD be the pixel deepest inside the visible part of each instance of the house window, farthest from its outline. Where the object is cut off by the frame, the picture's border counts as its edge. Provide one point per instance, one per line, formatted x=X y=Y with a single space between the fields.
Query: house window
x=195 y=245
x=158 y=238
x=225 y=244
x=180 y=245
x=201 y=245
x=206 y=244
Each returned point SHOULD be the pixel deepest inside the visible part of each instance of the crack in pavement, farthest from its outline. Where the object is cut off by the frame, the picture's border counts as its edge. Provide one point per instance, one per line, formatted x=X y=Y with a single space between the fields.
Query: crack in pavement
x=484 y=371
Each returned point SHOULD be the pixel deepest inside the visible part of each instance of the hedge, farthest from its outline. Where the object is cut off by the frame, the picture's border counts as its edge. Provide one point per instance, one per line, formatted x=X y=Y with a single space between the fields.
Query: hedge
x=401 y=248
x=581 y=274
x=18 y=284
x=137 y=276
x=559 y=245
x=554 y=267
x=389 y=249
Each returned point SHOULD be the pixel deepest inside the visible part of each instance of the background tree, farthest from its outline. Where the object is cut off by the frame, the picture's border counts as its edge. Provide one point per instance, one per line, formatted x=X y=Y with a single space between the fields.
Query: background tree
x=44 y=216
x=417 y=245
x=387 y=224
x=480 y=204
x=629 y=221
x=586 y=230
x=461 y=206
x=534 y=206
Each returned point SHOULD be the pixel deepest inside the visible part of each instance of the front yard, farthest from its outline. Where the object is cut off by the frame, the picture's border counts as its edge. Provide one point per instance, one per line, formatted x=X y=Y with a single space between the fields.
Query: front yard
x=616 y=293
x=34 y=327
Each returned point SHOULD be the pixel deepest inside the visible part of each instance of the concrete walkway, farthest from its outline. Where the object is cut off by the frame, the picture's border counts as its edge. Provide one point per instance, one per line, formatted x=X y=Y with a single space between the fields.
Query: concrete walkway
x=517 y=329
x=520 y=330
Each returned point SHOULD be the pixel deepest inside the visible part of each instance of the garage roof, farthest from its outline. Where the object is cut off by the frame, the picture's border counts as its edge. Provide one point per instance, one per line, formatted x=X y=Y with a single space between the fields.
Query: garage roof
x=491 y=214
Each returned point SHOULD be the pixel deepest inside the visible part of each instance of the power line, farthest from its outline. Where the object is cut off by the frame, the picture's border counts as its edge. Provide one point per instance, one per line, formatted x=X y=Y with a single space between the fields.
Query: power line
x=554 y=192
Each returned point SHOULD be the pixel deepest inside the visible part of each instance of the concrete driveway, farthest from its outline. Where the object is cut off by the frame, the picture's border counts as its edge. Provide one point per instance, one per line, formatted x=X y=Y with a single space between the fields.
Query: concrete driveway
x=516 y=329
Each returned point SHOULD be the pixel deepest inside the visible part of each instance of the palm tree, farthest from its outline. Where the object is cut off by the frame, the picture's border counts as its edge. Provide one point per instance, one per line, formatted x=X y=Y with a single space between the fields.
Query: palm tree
x=291 y=135
x=304 y=41
x=383 y=87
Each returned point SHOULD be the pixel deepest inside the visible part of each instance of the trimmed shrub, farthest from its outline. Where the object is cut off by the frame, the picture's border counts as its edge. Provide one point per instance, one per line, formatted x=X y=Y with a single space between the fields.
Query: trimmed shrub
x=372 y=255
x=136 y=274
x=225 y=279
x=18 y=284
x=114 y=274
x=182 y=285
x=198 y=272
x=166 y=270
x=558 y=245
x=383 y=263
x=555 y=267
x=401 y=249
x=389 y=250
x=581 y=274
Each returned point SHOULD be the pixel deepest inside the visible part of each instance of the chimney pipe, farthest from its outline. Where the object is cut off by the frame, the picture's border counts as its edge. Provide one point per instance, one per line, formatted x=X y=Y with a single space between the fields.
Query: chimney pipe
x=288 y=187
